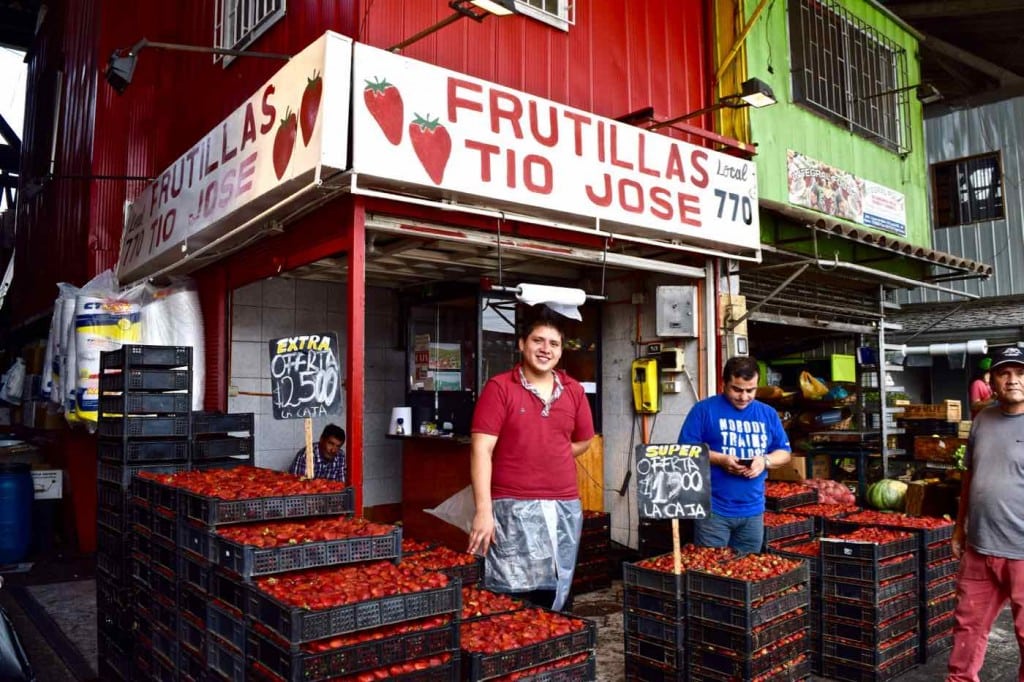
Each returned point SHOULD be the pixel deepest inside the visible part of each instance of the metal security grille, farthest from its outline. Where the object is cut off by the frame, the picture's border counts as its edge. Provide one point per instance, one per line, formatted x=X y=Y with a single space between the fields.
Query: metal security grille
x=968 y=190
x=238 y=23
x=848 y=72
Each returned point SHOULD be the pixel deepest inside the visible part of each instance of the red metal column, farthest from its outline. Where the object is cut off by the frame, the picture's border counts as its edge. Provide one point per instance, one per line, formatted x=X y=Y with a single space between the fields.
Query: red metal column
x=355 y=362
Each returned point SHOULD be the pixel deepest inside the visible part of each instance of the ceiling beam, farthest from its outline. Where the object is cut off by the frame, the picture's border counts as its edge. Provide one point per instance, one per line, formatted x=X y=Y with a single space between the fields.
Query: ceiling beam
x=953 y=8
x=939 y=46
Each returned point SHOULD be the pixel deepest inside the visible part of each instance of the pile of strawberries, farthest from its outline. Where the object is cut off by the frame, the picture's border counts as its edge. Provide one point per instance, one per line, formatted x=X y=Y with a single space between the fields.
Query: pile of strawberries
x=515 y=630
x=330 y=587
x=245 y=483
x=280 y=533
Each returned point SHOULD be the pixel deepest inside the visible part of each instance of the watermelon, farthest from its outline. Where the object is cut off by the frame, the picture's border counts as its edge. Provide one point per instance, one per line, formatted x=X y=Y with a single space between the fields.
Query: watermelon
x=887 y=494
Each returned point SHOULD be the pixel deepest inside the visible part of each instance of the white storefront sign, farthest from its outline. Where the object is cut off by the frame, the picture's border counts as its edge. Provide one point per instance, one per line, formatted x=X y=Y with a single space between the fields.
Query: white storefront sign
x=419 y=124
x=267 y=148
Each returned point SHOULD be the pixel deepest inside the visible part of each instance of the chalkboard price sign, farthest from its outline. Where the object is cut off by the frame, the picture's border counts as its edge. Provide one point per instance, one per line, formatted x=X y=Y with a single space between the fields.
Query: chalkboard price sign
x=673 y=481
x=305 y=376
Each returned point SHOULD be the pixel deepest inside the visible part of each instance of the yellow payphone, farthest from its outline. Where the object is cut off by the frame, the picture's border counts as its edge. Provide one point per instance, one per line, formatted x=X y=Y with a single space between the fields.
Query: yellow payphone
x=646 y=386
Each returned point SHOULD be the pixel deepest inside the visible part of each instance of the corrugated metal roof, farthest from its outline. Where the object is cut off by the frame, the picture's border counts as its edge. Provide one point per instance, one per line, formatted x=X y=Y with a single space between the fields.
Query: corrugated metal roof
x=863 y=235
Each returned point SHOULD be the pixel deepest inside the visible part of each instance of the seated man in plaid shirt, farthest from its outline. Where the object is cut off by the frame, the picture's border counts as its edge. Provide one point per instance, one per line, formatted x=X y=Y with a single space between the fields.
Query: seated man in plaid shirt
x=328 y=457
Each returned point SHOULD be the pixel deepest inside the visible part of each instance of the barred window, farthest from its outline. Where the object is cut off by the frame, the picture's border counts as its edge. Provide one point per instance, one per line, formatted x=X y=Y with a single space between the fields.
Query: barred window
x=238 y=23
x=559 y=13
x=846 y=71
x=968 y=190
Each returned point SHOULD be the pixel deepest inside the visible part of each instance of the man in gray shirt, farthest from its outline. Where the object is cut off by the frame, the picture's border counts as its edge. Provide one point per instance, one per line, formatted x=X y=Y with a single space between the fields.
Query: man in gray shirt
x=989 y=533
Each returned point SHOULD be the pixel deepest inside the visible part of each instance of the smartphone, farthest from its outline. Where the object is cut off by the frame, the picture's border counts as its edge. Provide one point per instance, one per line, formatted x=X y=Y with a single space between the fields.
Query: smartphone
x=746 y=462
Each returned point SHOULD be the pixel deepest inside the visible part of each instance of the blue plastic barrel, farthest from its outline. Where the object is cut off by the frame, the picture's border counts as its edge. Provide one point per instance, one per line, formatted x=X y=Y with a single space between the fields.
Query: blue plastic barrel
x=15 y=511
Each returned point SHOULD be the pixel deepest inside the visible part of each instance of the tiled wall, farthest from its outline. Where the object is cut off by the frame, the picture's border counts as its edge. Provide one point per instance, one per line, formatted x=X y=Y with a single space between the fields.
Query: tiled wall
x=278 y=307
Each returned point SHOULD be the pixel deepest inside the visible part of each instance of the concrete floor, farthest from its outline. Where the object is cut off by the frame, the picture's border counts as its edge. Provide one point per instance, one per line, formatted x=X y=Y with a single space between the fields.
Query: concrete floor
x=605 y=608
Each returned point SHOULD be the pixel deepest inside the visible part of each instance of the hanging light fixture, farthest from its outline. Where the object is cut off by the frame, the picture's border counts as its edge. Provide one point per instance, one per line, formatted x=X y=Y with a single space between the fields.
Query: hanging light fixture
x=477 y=10
x=754 y=92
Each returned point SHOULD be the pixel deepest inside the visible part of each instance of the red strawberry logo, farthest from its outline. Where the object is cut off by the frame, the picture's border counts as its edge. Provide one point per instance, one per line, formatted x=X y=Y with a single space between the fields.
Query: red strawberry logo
x=432 y=144
x=284 y=142
x=384 y=103
x=310 y=106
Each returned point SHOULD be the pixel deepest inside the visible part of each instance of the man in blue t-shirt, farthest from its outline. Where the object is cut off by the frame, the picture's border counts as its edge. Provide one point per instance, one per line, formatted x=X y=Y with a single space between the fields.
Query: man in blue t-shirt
x=745 y=439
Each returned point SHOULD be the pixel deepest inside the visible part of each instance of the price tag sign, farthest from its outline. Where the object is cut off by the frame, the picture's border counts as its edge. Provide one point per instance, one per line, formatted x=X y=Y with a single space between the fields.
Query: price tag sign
x=673 y=481
x=305 y=376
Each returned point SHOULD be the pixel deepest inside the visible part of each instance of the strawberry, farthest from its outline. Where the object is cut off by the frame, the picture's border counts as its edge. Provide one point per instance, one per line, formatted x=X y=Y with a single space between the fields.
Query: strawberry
x=432 y=144
x=310 y=106
x=384 y=102
x=284 y=142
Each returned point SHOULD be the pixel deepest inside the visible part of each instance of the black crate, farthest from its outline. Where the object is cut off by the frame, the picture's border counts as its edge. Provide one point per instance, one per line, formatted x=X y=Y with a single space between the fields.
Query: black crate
x=599 y=522
x=937 y=626
x=164 y=525
x=213 y=511
x=122 y=474
x=869 y=570
x=485 y=666
x=875 y=655
x=655 y=652
x=249 y=561
x=192 y=637
x=591 y=584
x=193 y=604
x=708 y=585
x=230 y=590
x=938 y=571
x=803 y=528
x=163 y=584
x=176 y=426
x=658 y=581
x=139 y=571
x=748 y=617
x=653 y=603
x=867 y=634
x=838 y=669
x=194 y=571
x=163 y=553
x=225 y=660
x=589 y=569
x=135 y=355
x=146 y=380
x=157 y=494
x=112 y=542
x=197 y=540
x=937 y=551
x=297 y=625
x=868 y=614
x=584 y=671
x=869 y=594
x=939 y=588
x=206 y=423
x=709 y=634
x=191 y=665
x=166 y=644
x=116 y=406
x=940 y=606
x=641 y=670
x=797 y=500
x=133 y=451
x=711 y=664
x=936 y=646
x=223 y=448
x=850 y=549
x=814 y=567
x=298 y=666
x=670 y=632
x=228 y=625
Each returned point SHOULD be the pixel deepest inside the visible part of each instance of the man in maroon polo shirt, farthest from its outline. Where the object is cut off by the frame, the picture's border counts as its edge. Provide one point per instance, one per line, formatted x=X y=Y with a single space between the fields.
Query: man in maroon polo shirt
x=528 y=427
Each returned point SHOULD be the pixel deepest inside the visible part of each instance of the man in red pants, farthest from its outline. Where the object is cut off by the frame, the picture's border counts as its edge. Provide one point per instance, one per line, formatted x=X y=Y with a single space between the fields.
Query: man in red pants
x=989 y=533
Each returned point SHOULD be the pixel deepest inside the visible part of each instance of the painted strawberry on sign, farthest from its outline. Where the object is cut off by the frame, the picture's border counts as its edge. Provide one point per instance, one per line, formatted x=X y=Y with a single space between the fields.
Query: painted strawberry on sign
x=284 y=142
x=432 y=144
x=310 y=106
x=384 y=102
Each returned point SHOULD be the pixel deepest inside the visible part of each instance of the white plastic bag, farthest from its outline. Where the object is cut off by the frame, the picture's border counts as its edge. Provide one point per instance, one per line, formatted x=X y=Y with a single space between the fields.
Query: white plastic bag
x=13 y=381
x=171 y=316
x=458 y=510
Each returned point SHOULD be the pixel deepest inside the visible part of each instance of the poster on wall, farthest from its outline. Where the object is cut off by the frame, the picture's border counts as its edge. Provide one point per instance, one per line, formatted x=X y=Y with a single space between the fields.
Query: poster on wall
x=842 y=194
x=305 y=376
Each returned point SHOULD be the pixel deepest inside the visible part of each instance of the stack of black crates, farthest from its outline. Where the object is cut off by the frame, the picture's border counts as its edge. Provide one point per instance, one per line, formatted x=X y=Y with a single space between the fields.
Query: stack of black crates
x=744 y=630
x=145 y=400
x=593 y=562
x=809 y=550
x=654 y=624
x=870 y=608
x=938 y=590
x=146 y=424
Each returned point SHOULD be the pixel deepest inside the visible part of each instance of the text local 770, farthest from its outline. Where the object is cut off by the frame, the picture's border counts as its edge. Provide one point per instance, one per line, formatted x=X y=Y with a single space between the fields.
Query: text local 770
x=661 y=180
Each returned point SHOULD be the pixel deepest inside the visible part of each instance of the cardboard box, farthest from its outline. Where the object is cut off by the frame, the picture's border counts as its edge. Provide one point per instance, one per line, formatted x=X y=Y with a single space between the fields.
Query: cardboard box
x=801 y=468
x=48 y=483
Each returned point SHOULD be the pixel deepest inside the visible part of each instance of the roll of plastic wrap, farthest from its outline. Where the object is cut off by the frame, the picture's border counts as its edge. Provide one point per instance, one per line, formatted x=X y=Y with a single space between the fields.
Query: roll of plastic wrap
x=563 y=300
x=46 y=384
x=174 y=318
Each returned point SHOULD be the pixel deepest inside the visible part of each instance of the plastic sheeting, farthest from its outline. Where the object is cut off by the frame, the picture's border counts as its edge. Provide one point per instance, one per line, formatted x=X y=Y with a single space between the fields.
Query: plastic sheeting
x=171 y=316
